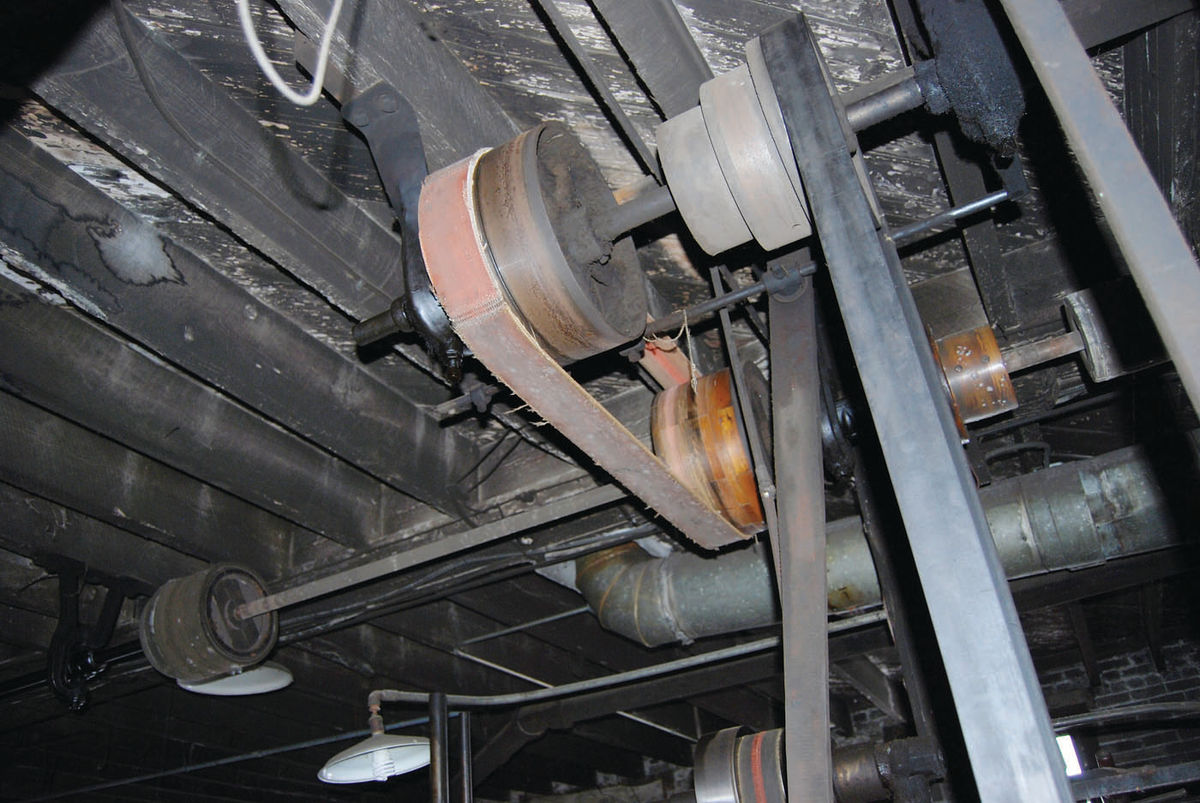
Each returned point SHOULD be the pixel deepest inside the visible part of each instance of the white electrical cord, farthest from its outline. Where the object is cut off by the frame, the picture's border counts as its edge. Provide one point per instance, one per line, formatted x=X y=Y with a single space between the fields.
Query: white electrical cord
x=268 y=69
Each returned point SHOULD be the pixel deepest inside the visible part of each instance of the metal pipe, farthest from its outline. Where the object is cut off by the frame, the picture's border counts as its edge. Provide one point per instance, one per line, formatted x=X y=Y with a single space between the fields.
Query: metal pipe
x=1068 y=516
x=473 y=701
x=439 y=750
x=466 y=783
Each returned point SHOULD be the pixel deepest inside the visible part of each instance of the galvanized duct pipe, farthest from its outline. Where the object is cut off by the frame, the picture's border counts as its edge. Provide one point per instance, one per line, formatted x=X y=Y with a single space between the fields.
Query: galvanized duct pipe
x=1069 y=516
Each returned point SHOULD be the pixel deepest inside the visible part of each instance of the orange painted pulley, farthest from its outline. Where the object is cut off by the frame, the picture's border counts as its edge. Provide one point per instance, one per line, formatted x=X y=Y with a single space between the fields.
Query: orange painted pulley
x=696 y=433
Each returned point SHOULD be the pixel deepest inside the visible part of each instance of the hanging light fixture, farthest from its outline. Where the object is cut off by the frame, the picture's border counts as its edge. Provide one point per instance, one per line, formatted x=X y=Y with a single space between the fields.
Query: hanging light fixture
x=378 y=757
x=268 y=676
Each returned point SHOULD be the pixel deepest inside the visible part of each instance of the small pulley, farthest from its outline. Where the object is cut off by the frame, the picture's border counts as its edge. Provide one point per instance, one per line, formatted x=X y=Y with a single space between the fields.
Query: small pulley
x=697 y=434
x=190 y=630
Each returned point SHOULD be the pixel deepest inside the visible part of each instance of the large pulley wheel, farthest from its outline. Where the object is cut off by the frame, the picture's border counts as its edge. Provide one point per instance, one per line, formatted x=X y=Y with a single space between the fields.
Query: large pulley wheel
x=539 y=197
x=189 y=629
x=697 y=434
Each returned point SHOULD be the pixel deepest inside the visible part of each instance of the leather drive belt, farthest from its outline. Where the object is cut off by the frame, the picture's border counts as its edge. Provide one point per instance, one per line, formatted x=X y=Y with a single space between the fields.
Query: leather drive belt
x=468 y=285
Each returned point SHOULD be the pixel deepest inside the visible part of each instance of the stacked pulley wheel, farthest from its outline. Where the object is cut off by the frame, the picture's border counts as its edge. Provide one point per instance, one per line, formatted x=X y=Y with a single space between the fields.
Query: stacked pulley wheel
x=697 y=433
x=189 y=630
x=729 y=163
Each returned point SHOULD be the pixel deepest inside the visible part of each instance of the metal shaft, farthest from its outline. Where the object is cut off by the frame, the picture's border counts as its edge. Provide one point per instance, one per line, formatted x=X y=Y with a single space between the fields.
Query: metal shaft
x=432 y=550
x=1041 y=351
x=893 y=99
x=637 y=211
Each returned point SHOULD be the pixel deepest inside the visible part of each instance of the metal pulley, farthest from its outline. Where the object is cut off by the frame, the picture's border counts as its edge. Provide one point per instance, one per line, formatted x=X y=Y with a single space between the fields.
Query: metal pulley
x=729 y=163
x=697 y=434
x=975 y=375
x=540 y=197
x=189 y=630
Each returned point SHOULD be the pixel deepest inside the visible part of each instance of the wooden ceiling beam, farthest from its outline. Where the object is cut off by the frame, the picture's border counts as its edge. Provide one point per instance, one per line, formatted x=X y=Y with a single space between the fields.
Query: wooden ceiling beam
x=120 y=269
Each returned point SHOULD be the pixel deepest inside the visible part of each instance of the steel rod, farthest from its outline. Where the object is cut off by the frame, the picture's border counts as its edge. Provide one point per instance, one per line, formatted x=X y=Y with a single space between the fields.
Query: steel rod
x=639 y=210
x=1042 y=351
x=526 y=625
x=439 y=750
x=471 y=701
x=894 y=99
x=913 y=231
x=1158 y=255
x=440 y=548
x=465 y=762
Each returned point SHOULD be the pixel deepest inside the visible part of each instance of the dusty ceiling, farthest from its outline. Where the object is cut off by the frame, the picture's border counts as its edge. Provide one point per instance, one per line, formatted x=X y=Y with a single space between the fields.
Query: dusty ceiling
x=184 y=254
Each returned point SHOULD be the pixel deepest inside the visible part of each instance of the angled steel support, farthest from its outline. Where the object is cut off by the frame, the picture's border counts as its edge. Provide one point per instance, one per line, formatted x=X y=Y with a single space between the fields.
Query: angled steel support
x=995 y=689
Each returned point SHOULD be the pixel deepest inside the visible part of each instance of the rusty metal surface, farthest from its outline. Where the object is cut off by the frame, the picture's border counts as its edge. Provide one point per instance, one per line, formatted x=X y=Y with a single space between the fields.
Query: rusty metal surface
x=696 y=434
x=468 y=287
x=975 y=373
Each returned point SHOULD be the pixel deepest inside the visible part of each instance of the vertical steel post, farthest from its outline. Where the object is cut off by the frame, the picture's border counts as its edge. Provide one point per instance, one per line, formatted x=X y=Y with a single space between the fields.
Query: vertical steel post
x=995 y=689
x=467 y=782
x=439 y=750
x=799 y=543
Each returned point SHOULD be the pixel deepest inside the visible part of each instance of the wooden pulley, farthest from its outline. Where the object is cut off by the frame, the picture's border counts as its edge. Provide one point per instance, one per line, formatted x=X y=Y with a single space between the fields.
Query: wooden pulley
x=697 y=434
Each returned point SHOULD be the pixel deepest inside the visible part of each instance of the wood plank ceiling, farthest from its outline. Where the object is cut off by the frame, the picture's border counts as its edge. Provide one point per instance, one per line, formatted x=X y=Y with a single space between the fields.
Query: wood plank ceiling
x=183 y=254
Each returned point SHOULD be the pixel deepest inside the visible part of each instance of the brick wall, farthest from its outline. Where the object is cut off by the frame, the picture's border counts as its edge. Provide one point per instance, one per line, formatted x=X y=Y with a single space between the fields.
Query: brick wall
x=1132 y=678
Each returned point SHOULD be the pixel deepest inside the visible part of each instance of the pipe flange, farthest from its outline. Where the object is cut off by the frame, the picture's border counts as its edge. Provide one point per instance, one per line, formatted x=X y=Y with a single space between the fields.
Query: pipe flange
x=750 y=160
x=698 y=184
x=538 y=197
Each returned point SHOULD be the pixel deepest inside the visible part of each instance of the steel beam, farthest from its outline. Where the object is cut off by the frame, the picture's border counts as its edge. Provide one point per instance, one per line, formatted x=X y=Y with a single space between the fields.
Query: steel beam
x=995 y=688
x=1158 y=255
